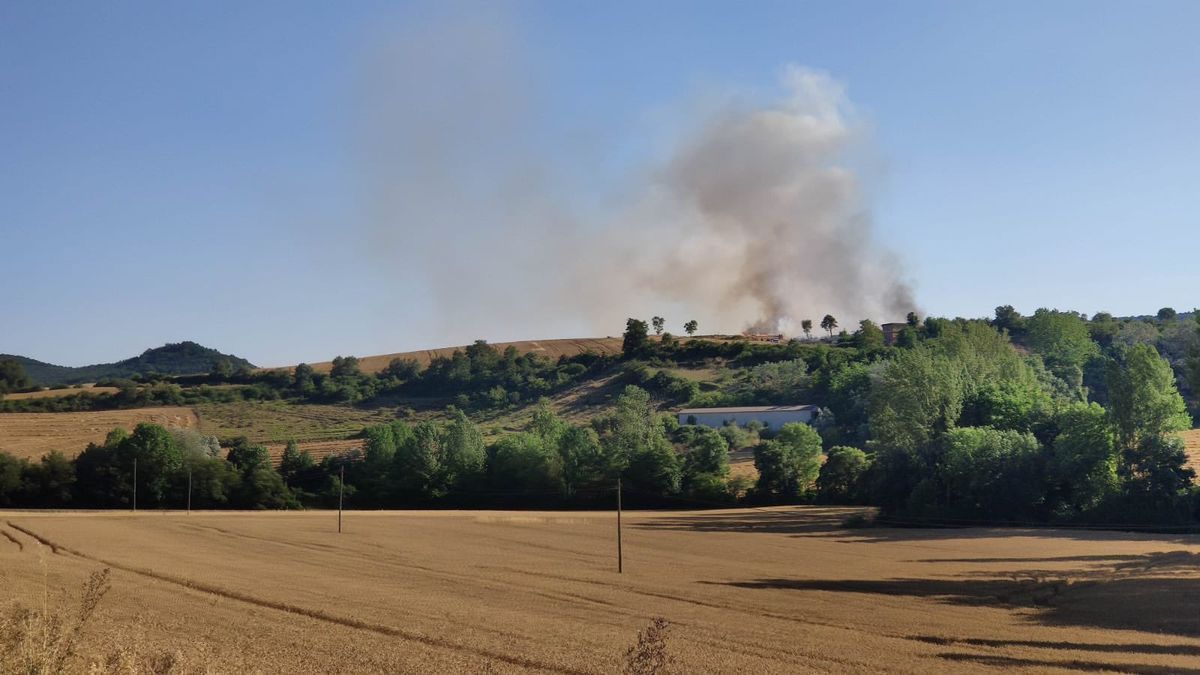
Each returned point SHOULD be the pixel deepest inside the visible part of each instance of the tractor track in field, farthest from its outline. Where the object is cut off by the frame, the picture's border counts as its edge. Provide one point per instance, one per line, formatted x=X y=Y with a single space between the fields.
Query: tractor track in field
x=8 y=536
x=348 y=622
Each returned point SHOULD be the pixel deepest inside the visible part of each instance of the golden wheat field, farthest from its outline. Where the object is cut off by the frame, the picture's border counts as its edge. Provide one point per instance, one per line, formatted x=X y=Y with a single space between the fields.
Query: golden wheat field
x=771 y=590
x=34 y=434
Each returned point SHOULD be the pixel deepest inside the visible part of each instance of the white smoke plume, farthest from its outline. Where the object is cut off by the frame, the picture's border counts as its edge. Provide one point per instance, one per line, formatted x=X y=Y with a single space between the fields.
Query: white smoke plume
x=753 y=217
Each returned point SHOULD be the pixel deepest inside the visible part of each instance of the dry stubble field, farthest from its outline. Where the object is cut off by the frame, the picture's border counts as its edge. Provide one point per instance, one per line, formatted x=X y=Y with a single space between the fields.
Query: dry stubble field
x=32 y=435
x=779 y=590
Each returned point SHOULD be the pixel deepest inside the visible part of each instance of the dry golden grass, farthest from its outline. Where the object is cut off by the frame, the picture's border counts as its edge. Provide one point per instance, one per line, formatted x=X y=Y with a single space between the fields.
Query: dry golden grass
x=58 y=393
x=276 y=422
x=772 y=590
x=317 y=449
x=1191 y=440
x=34 y=434
x=549 y=348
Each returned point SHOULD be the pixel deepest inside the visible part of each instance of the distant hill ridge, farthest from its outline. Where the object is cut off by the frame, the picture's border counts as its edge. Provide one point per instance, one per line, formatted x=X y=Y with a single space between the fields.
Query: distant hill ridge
x=177 y=358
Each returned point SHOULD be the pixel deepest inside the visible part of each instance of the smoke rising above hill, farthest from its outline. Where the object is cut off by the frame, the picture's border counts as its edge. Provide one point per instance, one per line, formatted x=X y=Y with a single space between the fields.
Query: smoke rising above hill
x=518 y=224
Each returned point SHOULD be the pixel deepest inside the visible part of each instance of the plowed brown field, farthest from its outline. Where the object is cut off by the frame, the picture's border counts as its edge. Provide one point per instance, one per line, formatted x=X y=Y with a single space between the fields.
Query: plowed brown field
x=780 y=590
x=34 y=434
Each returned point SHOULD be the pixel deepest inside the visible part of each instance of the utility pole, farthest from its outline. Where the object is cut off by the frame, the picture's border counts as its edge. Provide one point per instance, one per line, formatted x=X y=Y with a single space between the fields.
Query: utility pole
x=135 y=484
x=341 y=490
x=620 y=555
x=189 y=491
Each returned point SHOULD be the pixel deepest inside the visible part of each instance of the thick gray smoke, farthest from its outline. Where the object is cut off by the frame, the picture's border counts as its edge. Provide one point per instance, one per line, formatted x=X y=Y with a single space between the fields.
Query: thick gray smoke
x=770 y=218
x=495 y=209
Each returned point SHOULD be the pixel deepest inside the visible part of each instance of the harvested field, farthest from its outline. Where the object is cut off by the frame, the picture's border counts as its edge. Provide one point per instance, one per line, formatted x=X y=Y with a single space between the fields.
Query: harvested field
x=59 y=393
x=34 y=434
x=318 y=449
x=276 y=422
x=771 y=590
x=549 y=348
x=1191 y=440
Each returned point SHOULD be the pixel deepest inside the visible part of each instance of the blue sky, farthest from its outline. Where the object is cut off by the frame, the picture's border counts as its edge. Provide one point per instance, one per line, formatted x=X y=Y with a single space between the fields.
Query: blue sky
x=175 y=171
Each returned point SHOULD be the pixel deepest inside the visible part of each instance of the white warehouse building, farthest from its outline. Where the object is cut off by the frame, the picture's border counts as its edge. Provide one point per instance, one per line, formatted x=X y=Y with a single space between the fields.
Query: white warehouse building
x=773 y=416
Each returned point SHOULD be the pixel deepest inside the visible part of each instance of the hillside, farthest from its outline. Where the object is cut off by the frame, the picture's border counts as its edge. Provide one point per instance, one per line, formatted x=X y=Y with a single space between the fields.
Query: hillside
x=553 y=349
x=179 y=358
x=550 y=348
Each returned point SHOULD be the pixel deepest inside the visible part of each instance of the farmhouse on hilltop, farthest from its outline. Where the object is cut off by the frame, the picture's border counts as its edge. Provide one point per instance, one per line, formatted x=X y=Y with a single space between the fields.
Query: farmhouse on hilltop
x=773 y=416
x=891 y=332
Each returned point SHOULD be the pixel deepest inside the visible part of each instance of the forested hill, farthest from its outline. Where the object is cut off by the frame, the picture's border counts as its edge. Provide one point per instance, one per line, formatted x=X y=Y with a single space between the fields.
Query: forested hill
x=180 y=358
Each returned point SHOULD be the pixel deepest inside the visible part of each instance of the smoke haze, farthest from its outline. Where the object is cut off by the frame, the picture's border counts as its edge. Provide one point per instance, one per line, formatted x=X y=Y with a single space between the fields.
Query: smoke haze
x=516 y=225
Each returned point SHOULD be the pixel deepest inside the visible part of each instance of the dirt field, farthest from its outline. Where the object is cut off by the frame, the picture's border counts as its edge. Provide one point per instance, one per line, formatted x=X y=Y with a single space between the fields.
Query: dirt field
x=34 y=434
x=780 y=590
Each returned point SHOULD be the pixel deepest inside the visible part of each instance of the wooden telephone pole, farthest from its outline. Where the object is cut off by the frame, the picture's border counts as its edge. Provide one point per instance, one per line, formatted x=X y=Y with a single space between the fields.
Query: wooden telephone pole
x=620 y=555
x=341 y=490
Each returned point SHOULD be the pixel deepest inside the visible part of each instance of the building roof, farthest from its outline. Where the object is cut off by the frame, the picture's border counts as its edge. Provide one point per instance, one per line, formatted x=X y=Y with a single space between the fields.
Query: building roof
x=749 y=409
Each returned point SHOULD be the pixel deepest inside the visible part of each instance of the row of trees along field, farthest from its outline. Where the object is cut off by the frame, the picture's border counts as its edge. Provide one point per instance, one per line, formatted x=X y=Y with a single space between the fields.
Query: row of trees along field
x=1048 y=418
x=550 y=463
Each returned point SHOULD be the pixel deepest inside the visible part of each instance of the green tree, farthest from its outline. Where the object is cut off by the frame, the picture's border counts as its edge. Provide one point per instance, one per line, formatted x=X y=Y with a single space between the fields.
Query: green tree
x=1064 y=341
x=463 y=451
x=1019 y=405
x=12 y=376
x=401 y=369
x=690 y=327
x=585 y=463
x=244 y=455
x=12 y=471
x=262 y=487
x=788 y=465
x=417 y=463
x=829 y=323
x=991 y=474
x=708 y=453
x=1083 y=461
x=1143 y=400
x=1167 y=314
x=50 y=481
x=635 y=338
x=158 y=461
x=522 y=461
x=868 y=335
x=840 y=478
x=303 y=379
x=1009 y=319
x=658 y=322
x=295 y=462
x=1192 y=364
x=344 y=367
x=913 y=320
x=919 y=397
x=806 y=325
x=634 y=437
